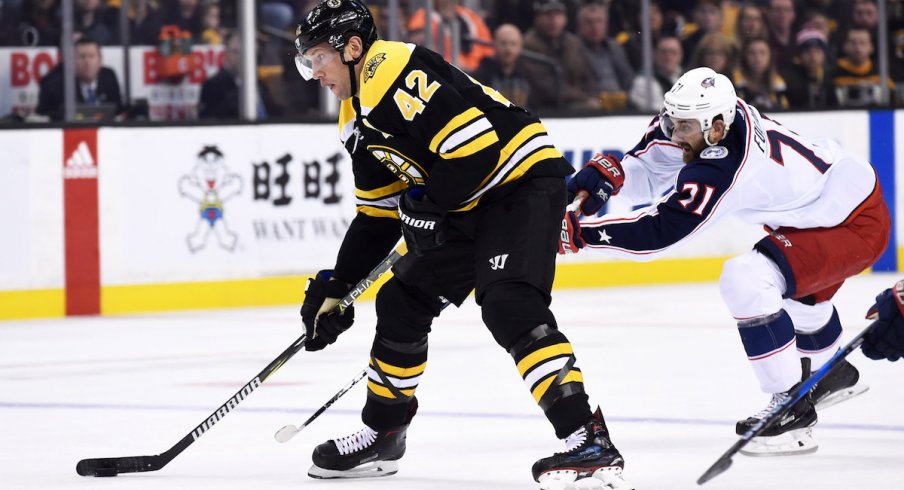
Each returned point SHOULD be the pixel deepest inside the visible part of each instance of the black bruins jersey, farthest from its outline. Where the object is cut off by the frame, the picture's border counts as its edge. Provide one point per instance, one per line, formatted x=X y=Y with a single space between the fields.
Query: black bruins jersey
x=431 y=124
x=425 y=122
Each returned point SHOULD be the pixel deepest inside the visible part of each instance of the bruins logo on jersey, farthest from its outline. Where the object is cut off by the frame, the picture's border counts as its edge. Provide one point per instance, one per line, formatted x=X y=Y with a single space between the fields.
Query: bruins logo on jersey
x=370 y=69
x=401 y=166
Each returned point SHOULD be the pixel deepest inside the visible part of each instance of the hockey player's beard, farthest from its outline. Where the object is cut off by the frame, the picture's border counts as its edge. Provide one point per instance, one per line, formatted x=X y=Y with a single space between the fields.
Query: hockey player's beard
x=688 y=152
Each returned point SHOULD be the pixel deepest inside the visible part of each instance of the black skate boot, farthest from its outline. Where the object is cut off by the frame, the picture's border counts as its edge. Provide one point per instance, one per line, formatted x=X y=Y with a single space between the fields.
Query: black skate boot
x=843 y=383
x=589 y=454
x=364 y=454
x=791 y=434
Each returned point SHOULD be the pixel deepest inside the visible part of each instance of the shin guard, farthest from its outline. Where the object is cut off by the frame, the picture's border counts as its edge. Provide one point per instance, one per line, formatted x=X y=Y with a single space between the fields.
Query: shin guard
x=546 y=362
x=393 y=374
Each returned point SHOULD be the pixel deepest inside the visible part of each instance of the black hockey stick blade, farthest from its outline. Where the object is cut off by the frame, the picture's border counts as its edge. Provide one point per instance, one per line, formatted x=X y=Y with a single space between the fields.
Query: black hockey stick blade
x=715 y=470
x=137 y=464
x=114 y=466
x=795 y=394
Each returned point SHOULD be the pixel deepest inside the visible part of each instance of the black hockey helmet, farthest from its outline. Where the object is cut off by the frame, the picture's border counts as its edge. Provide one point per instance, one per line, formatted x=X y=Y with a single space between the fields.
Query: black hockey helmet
x=335 y=21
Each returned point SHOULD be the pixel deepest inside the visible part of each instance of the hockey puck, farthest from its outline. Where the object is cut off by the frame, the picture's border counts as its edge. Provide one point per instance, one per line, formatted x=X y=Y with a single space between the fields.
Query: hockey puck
x=103 y=472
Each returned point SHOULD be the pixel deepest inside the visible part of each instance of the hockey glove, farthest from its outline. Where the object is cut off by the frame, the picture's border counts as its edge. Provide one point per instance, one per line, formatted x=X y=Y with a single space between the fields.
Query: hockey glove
x=570 y=240
x=422 y=221
x=886 y=340
x=322 y=321
x=601 y=178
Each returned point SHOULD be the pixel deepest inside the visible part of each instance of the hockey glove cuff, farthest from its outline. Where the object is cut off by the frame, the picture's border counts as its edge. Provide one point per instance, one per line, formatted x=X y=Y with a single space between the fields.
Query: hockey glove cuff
x=601 y=178
x=322 y=322
x=886 y=339
x=570 y=239
x=423 y=223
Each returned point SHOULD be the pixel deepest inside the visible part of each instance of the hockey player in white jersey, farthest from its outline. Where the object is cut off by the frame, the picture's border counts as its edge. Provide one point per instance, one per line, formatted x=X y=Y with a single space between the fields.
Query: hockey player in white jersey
x=821 y=206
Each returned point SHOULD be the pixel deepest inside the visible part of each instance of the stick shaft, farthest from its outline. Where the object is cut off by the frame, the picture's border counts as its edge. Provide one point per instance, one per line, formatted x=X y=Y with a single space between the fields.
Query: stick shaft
x=132 y=464
x=795 y=394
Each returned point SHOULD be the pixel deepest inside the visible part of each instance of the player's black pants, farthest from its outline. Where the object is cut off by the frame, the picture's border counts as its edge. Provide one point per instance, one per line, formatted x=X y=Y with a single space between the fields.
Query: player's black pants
x=506 y=250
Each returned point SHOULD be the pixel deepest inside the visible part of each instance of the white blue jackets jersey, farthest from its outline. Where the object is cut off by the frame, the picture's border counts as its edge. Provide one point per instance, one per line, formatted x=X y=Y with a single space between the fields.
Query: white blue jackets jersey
x=761 y=172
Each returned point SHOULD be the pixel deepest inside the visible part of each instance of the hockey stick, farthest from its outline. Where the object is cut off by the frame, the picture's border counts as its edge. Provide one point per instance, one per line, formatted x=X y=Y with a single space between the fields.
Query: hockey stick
x=289 y=431
x=795 y=394
x=134 y=464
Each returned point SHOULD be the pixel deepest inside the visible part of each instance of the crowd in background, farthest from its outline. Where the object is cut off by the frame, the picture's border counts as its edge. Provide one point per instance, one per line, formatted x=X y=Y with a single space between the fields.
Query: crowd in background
x=575 y=56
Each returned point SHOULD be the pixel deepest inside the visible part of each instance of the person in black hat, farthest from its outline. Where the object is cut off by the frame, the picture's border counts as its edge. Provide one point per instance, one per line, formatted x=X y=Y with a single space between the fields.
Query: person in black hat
x=808 y=81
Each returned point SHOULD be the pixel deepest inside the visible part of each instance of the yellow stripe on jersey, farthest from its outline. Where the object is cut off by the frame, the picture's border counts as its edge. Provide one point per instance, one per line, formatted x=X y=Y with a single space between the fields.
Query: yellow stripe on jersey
x=454 y=124
x=512 y=146
x=543 y=354
x=381 y=192
x=378 y=212
x=524 y=166
x=572 y=377
x=395 y=58
x=384 y=391
x=400 y=372
x=473 y=147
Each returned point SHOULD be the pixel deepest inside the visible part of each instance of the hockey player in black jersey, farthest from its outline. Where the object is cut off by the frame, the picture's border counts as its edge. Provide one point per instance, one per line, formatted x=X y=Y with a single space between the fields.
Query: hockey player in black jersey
x=477 y=189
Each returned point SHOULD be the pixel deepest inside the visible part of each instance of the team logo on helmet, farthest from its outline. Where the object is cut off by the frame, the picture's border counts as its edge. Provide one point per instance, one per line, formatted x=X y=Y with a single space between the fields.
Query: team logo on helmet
x=370 y=68
x=708 y=82
x=333 y=4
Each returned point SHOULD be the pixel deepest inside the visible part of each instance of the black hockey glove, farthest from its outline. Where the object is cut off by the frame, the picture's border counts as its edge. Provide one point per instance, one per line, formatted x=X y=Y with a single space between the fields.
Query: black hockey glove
x=886 y=340
x=322 y=321
x=601 y=178
x=422 y=221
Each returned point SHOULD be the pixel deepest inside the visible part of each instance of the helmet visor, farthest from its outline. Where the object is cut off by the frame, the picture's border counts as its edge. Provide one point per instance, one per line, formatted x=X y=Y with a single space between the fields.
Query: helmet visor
x=311 y=62
x=666 y=124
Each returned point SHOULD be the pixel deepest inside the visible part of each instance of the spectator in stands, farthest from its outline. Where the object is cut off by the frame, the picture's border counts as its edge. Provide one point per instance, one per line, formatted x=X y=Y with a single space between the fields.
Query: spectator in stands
x=634 y=40
x=504 y=70
x=780 y=18
x=613 y=72
x=667 y=59
x=144 y=22
x=757 y=80
x=715 y=51
x=95 y=83
x=211 y=32
x=186 y=15
x=220 y=93
x=476 y=39
x=865 y=14
x=564 y=51
x=751 y=24
x=92 y=18
x=707 y=18
x=809 y=83
x=856 y=77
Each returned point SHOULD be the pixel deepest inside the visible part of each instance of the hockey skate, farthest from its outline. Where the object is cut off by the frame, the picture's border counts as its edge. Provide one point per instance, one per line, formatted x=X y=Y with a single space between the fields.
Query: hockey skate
x=590 y=461
x=364 y=454
x=843 y=383
x=791 y=434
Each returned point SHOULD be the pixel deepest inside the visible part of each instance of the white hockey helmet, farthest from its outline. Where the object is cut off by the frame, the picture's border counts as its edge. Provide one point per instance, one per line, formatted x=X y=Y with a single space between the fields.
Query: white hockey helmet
x=700 y=94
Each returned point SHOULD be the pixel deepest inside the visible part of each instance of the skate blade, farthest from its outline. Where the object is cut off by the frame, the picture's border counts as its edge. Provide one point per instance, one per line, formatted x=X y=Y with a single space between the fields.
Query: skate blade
x=799 y=441
x=608 y=478
x=842 y=395
x=367 y=470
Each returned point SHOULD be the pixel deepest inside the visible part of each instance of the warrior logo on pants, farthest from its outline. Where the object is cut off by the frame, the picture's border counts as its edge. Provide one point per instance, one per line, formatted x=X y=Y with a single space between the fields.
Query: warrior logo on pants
x=210 y=184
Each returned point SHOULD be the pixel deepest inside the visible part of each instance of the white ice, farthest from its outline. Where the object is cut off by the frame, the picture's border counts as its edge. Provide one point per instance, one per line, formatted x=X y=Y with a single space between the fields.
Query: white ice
x=665 y=364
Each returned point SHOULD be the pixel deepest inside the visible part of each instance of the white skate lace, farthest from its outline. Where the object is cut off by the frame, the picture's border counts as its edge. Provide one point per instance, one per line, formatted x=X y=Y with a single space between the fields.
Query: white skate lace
x=575 y=439
x=777 y=399
x=357 y=441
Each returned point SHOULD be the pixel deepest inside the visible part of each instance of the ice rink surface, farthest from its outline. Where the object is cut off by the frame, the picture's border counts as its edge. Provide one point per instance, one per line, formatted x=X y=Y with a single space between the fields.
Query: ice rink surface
x=665 y=364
